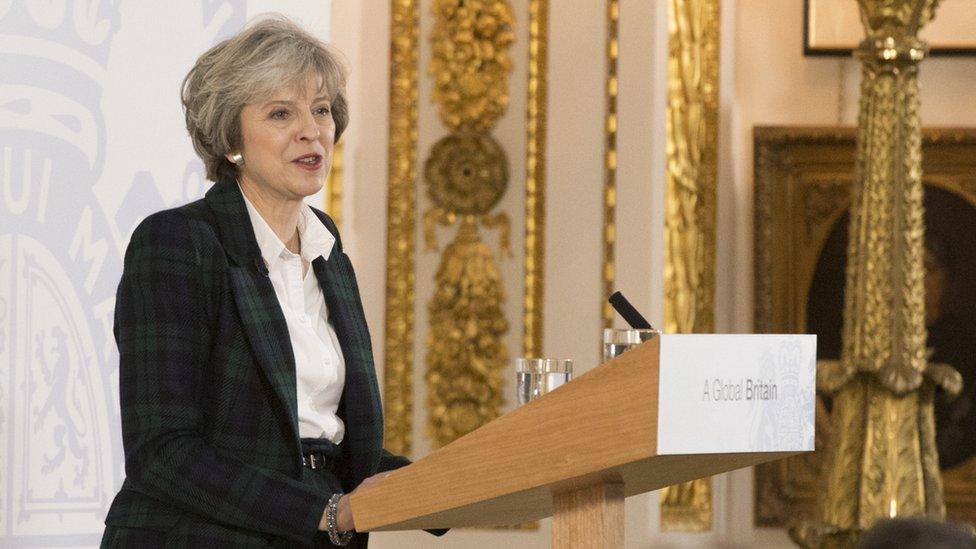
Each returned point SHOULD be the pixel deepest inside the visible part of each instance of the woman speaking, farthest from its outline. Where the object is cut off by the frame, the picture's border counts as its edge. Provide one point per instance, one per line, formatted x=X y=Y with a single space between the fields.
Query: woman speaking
x=249 y=399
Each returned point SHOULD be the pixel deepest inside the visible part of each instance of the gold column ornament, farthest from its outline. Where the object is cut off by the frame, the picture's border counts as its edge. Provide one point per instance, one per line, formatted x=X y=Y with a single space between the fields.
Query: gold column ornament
x=535 y=178
x=883 y=461
x=333 y=186
x=610 y=162
x=401 y=218
x=689 y=233
x=467 y=175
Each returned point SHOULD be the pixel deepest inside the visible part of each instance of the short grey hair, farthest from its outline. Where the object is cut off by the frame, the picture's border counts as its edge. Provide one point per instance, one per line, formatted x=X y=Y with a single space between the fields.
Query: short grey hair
x=270 y=54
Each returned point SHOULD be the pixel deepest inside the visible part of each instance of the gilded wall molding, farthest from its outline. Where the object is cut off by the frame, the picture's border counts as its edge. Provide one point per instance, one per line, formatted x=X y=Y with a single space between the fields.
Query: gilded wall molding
x=467 y=175
x=608 y=274
x=690 y=211
x=401 y=219
x=535 y=179
x=333 y=185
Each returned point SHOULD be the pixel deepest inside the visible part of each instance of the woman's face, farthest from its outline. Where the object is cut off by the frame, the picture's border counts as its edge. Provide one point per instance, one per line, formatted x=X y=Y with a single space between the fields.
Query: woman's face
x=287 y=142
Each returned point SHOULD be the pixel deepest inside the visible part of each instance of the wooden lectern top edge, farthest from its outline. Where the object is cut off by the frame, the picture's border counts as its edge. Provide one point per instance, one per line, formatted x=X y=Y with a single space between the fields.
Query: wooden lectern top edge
x=604 y=418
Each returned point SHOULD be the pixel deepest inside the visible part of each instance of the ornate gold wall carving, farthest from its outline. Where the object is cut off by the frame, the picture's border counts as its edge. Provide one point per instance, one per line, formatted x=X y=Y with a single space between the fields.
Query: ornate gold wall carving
x=535 y=180
x=467 y=174
x=333 y=185
x=610 y=162
x=470 y=61
x=882 y=461
x=401 y=218
x=792 y=166
x=692 y=170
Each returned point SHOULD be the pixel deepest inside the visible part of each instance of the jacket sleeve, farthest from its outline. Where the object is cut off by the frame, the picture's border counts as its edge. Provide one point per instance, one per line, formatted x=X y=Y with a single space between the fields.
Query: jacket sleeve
x=164 y=327
x=390 y=462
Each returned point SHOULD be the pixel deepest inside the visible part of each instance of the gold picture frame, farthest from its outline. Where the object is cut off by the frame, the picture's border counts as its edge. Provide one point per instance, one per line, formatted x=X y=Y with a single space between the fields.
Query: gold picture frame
x=803 y=182
x=833 y=27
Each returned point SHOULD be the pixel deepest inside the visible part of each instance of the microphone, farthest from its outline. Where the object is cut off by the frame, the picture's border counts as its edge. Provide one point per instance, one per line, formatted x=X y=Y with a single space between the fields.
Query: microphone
x=628 y=312
x=260 y=266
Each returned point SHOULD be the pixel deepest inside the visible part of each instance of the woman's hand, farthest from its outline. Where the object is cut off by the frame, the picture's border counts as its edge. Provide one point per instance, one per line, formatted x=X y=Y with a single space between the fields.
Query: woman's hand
x=344 y=520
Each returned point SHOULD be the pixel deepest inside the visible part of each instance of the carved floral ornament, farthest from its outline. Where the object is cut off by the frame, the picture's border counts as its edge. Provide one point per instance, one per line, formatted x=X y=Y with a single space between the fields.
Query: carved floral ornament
x=466 y=173
x=471 y=61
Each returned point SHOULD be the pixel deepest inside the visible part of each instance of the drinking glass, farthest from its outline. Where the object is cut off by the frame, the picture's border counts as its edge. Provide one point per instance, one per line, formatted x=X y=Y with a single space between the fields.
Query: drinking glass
x=616 y=341
x=538 y=376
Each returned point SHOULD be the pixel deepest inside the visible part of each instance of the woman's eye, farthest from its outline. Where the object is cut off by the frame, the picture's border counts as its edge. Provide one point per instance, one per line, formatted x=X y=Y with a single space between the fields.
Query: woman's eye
x=322 y=111
x=279 y=114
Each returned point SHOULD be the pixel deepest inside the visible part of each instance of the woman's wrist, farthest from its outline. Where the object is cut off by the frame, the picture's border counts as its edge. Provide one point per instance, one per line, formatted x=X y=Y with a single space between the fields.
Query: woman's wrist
x=344 y=521
x=343 y=516
x=337 y=519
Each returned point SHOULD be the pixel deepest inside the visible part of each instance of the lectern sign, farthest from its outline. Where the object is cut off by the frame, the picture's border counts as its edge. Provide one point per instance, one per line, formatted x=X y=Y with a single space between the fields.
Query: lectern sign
x=736 y=393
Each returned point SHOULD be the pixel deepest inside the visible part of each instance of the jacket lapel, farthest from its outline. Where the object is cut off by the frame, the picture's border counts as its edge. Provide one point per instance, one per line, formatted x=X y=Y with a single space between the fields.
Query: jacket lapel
x=360 y=406
x=257 y=303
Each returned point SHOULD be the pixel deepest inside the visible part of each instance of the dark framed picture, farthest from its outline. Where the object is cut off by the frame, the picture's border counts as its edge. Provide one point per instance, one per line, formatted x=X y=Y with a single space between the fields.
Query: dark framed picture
x=833 y=27
x=804 y=178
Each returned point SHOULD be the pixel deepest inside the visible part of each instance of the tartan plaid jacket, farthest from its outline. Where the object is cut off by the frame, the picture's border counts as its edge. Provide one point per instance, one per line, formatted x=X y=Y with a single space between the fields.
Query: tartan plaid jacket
x=207 y=378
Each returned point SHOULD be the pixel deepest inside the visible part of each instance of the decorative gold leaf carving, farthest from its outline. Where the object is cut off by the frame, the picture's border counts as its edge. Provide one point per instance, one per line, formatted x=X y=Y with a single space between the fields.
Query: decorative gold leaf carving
x=401 y=218
x=465 y=357
x=932 y=487
x=535 y=179
x=610 y=163
x=692 y=130
x=466 y=173
x=333 y=185
x=880 y=460
x=692 y=169
x=535 y=185
x=471 y=62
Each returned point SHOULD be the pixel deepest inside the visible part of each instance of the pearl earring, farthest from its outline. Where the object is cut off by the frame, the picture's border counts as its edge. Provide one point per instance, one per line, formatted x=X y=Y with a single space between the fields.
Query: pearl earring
x=236 y=158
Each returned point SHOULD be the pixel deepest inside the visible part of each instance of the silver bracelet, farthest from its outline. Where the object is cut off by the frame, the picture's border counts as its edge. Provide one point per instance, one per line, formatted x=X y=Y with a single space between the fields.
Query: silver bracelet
x=331 y=522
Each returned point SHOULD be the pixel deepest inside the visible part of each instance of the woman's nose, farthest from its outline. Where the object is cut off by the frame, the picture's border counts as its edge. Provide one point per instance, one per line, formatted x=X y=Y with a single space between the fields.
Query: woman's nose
x=309 y=130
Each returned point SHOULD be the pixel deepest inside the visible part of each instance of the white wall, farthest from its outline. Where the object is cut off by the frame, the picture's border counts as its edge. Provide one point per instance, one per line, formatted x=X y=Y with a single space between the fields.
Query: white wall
x=91 y=141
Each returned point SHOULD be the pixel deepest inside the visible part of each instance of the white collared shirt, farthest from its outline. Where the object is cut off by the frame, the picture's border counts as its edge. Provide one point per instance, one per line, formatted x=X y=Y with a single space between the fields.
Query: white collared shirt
x=319 y=366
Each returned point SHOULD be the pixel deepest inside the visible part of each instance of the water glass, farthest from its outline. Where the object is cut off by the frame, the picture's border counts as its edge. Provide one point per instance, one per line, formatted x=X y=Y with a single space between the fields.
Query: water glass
x=616 y=341
x=538 y=376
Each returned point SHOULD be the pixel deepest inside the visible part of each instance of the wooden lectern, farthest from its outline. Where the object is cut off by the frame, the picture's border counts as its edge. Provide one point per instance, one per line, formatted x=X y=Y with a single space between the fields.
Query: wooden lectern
x=573 y=454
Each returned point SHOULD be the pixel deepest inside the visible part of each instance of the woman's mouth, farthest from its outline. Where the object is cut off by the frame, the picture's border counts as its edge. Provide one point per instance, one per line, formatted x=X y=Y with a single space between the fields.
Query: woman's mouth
x=310 y=162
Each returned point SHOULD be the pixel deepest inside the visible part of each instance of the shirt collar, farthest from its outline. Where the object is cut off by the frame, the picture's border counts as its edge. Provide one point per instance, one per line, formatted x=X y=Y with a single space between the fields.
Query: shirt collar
x=316 y=240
